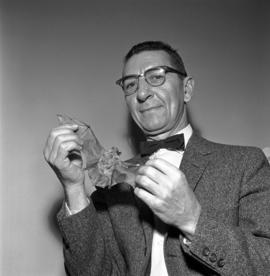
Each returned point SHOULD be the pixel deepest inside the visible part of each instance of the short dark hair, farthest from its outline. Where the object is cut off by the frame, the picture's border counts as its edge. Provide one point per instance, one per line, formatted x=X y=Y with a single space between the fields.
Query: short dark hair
x=158 y=46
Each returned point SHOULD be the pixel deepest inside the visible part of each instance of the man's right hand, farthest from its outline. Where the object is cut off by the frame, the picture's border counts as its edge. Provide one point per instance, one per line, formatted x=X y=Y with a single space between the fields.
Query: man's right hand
x=62 y=152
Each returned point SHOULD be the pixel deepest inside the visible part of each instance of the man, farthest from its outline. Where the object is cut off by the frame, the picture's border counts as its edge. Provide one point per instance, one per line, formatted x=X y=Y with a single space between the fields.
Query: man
x=202 y=209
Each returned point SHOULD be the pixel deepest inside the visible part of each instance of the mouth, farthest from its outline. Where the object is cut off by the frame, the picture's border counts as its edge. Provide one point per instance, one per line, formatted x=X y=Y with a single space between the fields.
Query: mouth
x=150 y=108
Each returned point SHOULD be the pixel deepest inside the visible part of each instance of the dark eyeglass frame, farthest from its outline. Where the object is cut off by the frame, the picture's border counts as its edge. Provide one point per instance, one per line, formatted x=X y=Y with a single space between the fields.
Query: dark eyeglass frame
x=165 y=70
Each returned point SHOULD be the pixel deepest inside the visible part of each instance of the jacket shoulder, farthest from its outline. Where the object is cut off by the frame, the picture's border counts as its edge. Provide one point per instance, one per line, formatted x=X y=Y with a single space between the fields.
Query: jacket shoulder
x=227 y=150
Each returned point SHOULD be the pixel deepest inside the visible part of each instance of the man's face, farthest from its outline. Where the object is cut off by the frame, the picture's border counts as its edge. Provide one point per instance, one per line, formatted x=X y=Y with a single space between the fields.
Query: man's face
x=156 y=110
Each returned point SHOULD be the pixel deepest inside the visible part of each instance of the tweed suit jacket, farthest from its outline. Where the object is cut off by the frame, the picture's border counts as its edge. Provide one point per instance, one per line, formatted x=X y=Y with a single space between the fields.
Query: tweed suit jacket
x=113 y=235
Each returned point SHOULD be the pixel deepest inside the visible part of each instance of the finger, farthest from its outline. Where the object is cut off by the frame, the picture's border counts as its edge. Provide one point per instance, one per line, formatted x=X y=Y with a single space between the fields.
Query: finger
x=163 y=166
x=50 y=145
x=173 y=174
x=62 y=139
x=74 y=127
x=143 y=181
x=60 y=142
x=146 y=197
x=63 y=158
x=153 y=173
x=60 y=130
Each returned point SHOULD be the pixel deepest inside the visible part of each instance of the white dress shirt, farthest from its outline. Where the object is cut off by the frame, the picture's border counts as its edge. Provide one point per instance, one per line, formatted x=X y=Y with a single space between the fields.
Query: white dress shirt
x=158 y=266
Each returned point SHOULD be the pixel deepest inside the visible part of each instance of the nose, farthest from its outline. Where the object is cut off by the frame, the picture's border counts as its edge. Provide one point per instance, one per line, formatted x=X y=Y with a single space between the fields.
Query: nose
x=144 y=90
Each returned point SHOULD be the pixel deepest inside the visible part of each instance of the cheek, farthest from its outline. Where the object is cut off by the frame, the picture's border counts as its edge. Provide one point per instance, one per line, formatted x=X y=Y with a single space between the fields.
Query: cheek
x=131 y=104
x=174 y=106
x=171 y=102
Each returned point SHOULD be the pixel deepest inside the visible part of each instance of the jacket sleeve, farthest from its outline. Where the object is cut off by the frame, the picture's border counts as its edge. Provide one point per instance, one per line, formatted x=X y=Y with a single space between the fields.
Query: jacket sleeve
x=86 y=251
x=243 y=249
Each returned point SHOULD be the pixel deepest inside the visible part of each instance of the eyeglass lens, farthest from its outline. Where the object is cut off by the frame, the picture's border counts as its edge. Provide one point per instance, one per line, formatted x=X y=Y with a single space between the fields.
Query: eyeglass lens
x=154 y=77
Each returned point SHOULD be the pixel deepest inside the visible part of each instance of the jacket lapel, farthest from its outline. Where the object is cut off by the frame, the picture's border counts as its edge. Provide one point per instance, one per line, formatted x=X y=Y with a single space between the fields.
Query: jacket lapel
x=146 y=215
x=131 y=220
x=195 y=159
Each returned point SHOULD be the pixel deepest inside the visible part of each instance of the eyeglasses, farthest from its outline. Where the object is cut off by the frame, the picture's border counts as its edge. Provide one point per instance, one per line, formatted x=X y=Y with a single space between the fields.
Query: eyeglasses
x=155 y=76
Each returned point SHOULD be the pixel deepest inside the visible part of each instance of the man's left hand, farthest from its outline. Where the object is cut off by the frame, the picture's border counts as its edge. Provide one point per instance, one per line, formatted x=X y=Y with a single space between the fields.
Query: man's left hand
x=164 y=188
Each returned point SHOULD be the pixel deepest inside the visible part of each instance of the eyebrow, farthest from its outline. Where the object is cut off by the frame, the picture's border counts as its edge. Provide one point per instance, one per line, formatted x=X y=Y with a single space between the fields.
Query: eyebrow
x=135 y=75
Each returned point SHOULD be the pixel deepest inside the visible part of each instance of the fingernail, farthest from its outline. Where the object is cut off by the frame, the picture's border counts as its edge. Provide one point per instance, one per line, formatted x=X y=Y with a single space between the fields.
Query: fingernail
x=75 y=127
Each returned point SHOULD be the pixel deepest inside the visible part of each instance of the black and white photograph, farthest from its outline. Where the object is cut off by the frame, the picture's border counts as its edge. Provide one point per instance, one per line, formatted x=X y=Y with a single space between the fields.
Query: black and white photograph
x=134 y=138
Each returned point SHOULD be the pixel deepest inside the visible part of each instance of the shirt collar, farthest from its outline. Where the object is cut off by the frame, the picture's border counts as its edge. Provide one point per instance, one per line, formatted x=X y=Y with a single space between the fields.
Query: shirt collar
x=187 y=131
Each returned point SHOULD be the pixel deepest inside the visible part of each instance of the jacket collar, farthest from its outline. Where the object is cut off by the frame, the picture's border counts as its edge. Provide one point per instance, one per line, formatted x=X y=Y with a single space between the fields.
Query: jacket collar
x=195 y=159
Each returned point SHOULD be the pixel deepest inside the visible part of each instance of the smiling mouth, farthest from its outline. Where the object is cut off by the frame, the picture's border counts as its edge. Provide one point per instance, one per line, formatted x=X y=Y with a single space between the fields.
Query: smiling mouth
x=150 y=108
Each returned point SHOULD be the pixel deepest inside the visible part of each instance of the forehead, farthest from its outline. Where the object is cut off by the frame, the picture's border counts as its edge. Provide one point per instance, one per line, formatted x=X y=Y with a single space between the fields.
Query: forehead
x=140 y=62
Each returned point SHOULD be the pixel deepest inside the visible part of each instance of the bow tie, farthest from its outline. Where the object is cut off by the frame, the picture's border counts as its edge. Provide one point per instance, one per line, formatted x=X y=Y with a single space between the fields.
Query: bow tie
x=175 y=142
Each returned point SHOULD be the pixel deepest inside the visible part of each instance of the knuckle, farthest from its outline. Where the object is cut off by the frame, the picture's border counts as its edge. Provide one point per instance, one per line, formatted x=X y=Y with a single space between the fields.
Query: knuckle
x=149 y=171
x=53 y=133
x=156 y=204
x=137 y=178
x=143 y=179
x=156 y=161
x=146 y=181
x=141 y=169
x=166 y=195
x=58 y=139
x=162 y=205
x=64 y=147
x=179 y=176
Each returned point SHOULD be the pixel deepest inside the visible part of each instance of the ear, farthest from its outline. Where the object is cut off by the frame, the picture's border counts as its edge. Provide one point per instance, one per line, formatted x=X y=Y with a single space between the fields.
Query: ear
x=188 y=88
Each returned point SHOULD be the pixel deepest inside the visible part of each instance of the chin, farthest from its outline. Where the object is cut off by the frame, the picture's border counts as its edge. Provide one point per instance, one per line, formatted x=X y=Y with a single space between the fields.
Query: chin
x=153 y=131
